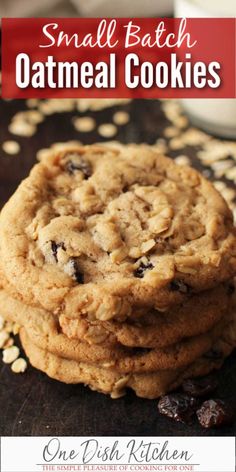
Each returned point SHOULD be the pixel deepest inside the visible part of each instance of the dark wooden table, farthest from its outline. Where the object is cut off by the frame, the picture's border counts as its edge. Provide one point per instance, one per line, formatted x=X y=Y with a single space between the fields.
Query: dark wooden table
x=32 y=404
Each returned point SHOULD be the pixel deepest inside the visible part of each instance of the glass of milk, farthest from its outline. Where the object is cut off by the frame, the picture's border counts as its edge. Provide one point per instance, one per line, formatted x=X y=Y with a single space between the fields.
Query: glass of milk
x=217 y=116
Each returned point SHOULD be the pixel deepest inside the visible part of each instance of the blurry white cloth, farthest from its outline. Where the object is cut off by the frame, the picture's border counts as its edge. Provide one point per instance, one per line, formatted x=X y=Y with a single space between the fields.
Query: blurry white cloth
x=96 y=8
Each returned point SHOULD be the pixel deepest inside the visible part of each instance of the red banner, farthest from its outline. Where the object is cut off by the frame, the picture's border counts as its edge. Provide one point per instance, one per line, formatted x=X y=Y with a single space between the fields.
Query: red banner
x=125 y=57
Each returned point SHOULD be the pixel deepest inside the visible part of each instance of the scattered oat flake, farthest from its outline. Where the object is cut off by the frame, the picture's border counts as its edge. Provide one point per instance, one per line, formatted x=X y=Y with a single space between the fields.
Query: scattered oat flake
x=56 y=105
x=217 y=150
x=181 y=121
x=194 y=137
x=46 y=108
x=34 y=116
x=172 y=109
x=19 y=366
x=10 y=354
x=32 y=102
x=219 y=185
x=231 y=174
x=219 y=167
x=22 y=128
x=11 y=147
x=29 y=116
x=107 y=130
x=176 y=143
x=182 y=160
x=85 y=124
x=171 y=132
x=97 y=104
x=121 y=118
x=229 y=194
x=161 y=145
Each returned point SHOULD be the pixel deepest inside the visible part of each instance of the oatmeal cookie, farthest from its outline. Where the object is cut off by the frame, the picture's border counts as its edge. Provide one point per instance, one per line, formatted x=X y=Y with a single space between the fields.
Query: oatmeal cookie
x=97 y=230
x=153 y=329
x=147 y=385
x=44 y=331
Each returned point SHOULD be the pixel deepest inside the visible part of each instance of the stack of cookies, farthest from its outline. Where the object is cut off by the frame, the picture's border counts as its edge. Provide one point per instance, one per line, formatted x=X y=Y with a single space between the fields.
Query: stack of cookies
x=118 y=265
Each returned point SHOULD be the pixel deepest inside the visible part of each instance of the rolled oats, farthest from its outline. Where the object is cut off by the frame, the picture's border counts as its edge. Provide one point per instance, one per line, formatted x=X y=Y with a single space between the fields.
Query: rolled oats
x=85 y=124
x=107 y=130
x=22 y=128
x=19 y=366
x=10 y=354
x=182 y=160
x=121 y=118
x=11 y=147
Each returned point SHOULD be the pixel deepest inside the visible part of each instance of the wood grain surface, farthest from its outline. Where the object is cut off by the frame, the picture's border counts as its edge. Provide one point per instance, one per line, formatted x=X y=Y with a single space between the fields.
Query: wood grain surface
x=32 y=404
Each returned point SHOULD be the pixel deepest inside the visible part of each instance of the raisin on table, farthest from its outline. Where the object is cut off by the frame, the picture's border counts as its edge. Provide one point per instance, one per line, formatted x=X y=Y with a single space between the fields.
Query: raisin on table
x=214 y=413
x=179 y=406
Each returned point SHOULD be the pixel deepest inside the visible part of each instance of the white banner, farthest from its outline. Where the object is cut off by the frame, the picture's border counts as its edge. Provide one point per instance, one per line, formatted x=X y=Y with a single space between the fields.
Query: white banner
x=117 y=454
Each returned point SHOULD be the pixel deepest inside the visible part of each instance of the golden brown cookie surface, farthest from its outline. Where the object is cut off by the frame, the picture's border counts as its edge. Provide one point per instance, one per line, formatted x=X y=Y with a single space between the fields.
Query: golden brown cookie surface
x=98 y=230
x=179 y=336
x=147 y=385
x=154 y=329
x=42 y=328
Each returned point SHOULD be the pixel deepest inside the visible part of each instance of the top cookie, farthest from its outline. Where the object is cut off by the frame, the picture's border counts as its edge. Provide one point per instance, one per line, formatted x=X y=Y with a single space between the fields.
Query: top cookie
x=101 y=231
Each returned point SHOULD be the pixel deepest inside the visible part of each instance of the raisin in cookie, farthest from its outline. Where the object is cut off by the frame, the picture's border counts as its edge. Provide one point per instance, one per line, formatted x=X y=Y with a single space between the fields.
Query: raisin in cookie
x=196 y=316
x=153 y=329
x=100 y=231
